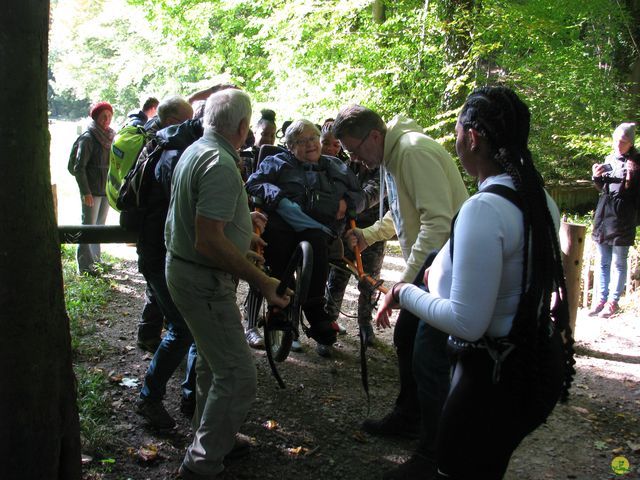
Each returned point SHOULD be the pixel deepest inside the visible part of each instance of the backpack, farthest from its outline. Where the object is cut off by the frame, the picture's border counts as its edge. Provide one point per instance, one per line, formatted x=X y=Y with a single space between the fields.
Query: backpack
x=132 y=200
x=124 y=152
x=73 y=156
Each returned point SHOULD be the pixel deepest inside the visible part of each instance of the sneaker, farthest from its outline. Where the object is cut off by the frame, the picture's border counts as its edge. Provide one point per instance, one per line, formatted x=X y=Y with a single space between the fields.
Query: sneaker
x=610 y=309
x=254 y=339
x=187 y=474
x=369 y=336
x=296 y=346
x=394 y=425
x=323 y=350
x=339 y=328
x=187 y=406
x=597 y=309
x=155 y=414
x=149 y=345
x=417 y=466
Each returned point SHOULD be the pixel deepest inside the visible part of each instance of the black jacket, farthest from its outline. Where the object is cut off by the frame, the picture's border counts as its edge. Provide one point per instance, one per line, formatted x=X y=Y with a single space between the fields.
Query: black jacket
x=325 y=183
x=614 y=221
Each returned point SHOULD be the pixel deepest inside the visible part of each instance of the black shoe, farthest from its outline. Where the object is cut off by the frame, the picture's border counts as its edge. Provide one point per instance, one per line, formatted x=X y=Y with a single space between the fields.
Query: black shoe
x=324 y=350
x=417 y=467
x=394 y=425
x=148 y=345
x=323 y=333
x=155 y=414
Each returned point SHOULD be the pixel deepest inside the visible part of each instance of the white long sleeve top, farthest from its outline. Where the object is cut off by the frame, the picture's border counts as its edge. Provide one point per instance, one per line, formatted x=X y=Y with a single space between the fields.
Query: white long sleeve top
x=478 y=293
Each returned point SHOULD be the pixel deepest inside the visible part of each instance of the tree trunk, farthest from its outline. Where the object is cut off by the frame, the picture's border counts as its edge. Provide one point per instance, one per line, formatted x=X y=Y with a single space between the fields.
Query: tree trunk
x=39 y=428
x=456 y=19
x=378 y=11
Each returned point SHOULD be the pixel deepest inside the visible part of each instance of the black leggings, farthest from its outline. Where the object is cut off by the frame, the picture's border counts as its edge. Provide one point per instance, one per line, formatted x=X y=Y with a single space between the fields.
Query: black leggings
x=482 y=423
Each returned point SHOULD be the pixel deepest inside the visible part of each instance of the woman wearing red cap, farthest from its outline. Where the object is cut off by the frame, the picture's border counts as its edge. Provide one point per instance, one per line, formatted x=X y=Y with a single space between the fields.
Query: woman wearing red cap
x=92 y=164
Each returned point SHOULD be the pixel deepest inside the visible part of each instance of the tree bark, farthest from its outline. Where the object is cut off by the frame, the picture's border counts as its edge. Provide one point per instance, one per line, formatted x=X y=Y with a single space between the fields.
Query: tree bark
x=378 y=11
x=455 y=16
x=39 y=428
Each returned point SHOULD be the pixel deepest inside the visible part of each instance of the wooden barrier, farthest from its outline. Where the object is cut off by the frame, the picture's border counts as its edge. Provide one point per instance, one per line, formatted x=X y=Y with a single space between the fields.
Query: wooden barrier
x=572 y=239
x=95 y=234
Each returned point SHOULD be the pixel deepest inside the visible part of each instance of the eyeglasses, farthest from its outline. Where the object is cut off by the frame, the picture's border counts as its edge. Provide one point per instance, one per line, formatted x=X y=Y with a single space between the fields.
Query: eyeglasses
x=303 y=141
x=355 y=150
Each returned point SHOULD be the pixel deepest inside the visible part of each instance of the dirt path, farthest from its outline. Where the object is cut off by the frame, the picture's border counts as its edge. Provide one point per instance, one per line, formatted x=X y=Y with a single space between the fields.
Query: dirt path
x=318 y=415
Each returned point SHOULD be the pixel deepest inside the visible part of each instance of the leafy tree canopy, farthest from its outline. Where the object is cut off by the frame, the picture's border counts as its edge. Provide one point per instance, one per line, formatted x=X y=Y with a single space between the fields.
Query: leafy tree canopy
x=307 y=58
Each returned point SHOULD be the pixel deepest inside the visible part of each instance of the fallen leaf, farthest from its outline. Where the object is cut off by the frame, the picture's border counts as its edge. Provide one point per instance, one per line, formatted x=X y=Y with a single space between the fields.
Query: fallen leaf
x=635 y=447
x=297 y=451
x=148 y=453
x=358 y=436
x=129 y=382
x=115 y=378
x=270 y=425
x=617 y=450
x=581 y=410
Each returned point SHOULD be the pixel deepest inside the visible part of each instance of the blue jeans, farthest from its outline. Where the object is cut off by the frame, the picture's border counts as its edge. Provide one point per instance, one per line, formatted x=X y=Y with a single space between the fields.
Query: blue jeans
x=89 y=253
x=612 y=280
x=175 y=343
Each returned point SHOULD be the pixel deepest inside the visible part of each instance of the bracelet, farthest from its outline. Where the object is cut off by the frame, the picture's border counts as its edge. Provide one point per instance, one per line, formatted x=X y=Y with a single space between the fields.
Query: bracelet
x=395 y=294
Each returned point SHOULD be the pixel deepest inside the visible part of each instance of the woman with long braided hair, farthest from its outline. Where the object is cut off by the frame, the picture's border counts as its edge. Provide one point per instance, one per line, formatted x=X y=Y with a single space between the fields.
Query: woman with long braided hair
x=497 y=288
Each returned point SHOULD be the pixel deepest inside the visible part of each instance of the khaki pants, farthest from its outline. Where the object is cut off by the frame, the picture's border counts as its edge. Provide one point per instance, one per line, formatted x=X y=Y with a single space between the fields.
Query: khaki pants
x=225 y=370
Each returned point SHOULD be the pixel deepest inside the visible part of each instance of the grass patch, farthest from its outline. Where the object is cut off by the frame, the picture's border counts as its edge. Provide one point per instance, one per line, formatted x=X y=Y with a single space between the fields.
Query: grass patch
x=94 y=407
x=85 y=296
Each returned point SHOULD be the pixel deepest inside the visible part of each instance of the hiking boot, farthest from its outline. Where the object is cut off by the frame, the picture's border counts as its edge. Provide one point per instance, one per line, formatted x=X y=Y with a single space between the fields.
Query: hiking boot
x=417 y=467
x=610 y=309
x=323 y=350
x=597 y=309
x=187 y=474
x=254 y=339
x=369 y=336
x=148 y=345
x=296 y=346
x=188 y=406
x=392 y=425
x=323 y=333
x=155 y=414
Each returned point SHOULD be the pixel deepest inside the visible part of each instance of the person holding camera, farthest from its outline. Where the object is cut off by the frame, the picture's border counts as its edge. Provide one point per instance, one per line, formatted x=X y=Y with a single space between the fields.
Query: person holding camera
x=614 y=221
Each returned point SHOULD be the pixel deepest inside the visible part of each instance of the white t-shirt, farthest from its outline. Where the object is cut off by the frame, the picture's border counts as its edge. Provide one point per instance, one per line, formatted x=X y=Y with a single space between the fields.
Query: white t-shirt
x=480 y=292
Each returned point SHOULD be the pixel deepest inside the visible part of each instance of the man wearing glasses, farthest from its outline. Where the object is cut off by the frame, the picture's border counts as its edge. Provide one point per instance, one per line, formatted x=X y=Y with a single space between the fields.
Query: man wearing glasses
x=425 y=190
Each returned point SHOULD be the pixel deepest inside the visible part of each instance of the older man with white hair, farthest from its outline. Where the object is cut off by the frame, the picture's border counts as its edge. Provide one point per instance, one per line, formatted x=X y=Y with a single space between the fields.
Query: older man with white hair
x=208 y=235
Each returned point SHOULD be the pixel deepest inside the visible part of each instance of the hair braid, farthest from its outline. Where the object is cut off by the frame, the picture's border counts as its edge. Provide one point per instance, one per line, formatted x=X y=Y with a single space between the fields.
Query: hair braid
x=498 y=114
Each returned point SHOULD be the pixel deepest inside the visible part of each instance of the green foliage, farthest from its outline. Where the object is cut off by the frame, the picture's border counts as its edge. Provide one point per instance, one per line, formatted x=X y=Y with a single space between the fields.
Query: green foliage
x=84 y=297
x=94 y=410
x=308 y=58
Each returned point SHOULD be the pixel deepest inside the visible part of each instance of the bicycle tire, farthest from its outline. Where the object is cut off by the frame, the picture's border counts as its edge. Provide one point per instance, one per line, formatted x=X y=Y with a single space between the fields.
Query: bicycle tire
x=298 y=275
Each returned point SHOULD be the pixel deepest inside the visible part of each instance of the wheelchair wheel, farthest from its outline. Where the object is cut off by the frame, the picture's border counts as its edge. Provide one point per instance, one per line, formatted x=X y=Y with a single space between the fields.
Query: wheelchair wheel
x=281 y=327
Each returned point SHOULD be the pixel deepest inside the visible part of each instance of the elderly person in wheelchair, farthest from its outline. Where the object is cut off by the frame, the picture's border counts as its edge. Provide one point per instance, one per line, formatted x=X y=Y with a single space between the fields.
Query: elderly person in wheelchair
x=307 y=197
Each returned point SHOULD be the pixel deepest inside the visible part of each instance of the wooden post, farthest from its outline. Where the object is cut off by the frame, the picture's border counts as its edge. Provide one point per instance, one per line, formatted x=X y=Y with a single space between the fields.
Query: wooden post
x=572 y=237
